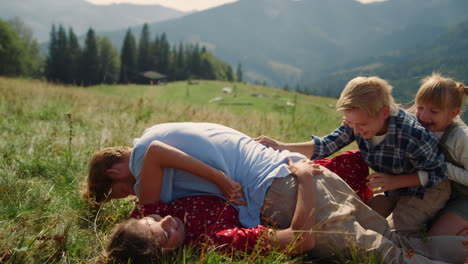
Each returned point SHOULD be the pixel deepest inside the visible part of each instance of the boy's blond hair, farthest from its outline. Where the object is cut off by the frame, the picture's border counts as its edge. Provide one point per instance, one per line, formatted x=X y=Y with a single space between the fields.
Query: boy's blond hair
x=370 y=94
x=442 y=92
x=98 y=184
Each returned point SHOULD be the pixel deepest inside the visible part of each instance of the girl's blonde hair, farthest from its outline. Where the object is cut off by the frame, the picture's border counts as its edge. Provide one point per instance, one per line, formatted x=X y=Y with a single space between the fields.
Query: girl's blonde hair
x=370 y=94
x=98 y=184
x=442 y=92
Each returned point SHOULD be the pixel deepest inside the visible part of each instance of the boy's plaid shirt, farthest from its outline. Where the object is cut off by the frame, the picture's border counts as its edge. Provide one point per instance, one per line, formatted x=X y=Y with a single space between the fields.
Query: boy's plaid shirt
x=407 y=148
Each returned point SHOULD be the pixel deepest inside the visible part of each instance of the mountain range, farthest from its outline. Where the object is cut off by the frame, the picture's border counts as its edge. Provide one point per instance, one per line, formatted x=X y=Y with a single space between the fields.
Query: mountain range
x=318 y=45
x=298 y=42
x=39 y=15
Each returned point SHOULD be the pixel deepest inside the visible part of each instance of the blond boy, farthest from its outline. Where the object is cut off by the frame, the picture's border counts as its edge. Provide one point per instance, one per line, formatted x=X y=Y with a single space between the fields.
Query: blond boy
x=408 y=165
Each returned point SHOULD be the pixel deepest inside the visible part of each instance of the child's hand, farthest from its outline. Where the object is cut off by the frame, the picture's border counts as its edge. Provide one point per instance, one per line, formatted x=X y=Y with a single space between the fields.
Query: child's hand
x=269 y=142
x=304 y=168
x=381 y=182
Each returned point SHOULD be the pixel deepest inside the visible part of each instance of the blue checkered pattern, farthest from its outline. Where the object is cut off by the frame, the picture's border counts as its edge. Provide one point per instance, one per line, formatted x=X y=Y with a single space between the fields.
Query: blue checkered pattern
x=407 y=148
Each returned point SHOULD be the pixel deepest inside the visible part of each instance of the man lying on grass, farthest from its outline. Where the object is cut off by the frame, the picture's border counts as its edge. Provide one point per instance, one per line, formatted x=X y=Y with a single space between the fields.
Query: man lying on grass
x=163 y=164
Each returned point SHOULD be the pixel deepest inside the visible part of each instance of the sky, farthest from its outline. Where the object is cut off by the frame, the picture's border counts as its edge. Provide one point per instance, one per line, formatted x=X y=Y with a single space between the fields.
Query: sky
x=183 y=5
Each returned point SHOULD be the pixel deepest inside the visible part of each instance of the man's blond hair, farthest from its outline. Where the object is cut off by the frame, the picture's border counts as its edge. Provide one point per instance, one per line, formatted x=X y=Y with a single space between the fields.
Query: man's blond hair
x=370 y=94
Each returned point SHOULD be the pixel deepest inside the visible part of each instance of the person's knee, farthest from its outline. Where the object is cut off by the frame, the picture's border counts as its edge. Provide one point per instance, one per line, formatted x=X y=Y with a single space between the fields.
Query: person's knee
x=309 y=243
x=463 y=232
x=449 y=224
x=382 y=205
x=305 y=242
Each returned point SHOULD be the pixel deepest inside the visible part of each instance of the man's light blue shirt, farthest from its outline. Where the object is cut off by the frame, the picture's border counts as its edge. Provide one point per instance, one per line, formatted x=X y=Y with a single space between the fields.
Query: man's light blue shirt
x=251 y=164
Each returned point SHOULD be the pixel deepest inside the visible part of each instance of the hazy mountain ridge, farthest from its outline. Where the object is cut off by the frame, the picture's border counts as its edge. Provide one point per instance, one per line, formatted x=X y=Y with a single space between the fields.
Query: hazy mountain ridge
x=80 y=15
x=288 y=42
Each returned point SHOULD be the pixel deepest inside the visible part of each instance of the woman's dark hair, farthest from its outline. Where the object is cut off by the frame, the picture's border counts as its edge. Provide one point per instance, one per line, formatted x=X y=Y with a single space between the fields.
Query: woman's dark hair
x=129 y=244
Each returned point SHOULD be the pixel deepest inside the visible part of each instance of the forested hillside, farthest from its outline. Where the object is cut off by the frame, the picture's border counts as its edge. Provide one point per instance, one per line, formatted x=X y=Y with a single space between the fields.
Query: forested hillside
x=151 y=60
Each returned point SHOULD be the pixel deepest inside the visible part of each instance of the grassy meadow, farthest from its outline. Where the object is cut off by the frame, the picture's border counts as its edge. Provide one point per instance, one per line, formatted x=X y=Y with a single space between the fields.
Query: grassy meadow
x=48 y=133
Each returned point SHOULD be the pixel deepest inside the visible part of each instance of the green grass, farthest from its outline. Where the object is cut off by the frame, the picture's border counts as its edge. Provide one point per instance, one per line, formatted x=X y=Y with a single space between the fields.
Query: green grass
x=49 y=132
x=267 y=105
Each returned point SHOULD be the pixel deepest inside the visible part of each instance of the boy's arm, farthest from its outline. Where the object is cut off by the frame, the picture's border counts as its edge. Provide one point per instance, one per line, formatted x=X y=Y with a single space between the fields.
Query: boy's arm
x=317 y=148
x=327 y=145
x=299 y=237
x=425 y=155
x=160 y=155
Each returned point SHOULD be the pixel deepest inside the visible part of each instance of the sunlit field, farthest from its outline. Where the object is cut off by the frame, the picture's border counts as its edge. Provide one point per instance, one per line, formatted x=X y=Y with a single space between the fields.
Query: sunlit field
x=48 y=132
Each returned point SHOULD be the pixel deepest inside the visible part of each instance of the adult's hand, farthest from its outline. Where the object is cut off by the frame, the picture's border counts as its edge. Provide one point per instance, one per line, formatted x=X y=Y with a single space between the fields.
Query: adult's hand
x=304 y=168
x=231 y=189
x=269 y=142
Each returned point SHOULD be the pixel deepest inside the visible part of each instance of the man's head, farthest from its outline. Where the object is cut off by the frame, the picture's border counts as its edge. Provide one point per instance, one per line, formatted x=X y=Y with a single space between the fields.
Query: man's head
x=366 y=103
x=109 y=175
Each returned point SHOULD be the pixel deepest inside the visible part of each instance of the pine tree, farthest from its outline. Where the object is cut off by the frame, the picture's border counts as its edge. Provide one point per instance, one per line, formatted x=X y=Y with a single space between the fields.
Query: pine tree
x=171 y=71
x=52 y=58
x=90 y=60
x=239 y=73
x=144 y=58
x=195 y=61
x=128 y=58
x=73 y=58
x=154 y=53
x=229 y=74
x=109 y=61
x=164 y=53
x=206 y=69
x=61 y=58
x=180 y=64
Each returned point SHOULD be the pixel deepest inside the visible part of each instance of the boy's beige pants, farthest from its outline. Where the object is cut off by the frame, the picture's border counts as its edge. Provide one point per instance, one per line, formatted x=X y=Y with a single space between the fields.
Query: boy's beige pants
x=345 y=223
x=407 y=214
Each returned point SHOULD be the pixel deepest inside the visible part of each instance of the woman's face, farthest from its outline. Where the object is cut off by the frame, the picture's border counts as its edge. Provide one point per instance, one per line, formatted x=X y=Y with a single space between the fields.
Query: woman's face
x=167 y=232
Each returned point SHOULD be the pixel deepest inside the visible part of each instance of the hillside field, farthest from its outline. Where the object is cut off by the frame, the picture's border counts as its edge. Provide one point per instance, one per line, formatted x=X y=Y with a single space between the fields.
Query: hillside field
x=50 y=131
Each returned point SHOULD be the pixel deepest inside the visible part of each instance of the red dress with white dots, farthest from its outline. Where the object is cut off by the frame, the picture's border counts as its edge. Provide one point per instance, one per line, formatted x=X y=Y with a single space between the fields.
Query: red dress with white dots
x=211 y=220
x=353 y=169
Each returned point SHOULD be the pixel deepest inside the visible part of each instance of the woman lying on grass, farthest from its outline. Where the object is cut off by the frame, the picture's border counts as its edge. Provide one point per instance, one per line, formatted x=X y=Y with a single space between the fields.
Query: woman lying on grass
x=210 y=220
